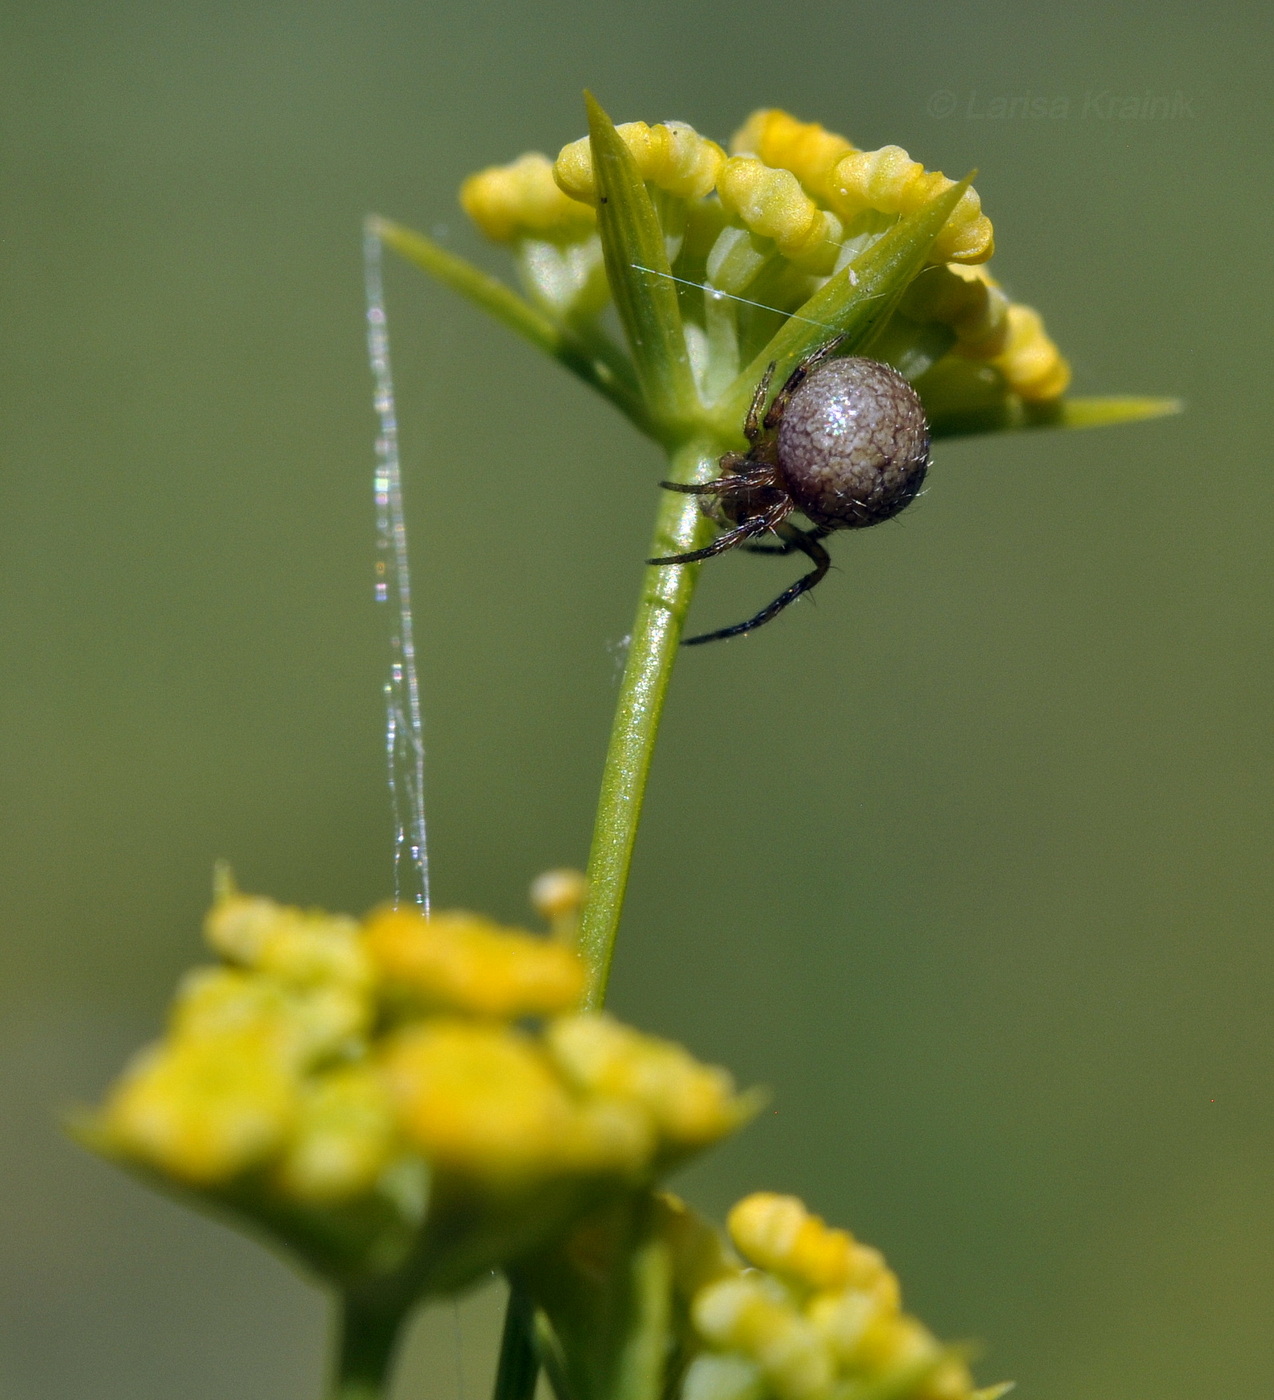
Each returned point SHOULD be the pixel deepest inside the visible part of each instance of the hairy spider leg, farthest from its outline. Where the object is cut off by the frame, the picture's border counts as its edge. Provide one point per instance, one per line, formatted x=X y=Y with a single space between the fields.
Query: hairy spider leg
x=754 y=525
x=799 y=539
x=752 y=423
x=756 y=474
x=798 y=376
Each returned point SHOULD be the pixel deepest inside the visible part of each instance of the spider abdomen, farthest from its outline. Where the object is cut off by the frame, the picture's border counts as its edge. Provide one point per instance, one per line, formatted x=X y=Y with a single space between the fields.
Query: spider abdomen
x=853 y=444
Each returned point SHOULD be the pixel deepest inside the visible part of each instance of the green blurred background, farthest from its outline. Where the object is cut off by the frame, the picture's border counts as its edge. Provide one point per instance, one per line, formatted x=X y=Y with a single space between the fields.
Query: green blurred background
x=969 y=861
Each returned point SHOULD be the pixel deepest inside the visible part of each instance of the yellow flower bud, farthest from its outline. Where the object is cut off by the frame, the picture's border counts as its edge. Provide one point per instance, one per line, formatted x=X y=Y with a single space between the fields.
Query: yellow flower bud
x=842 y=1319
x=672 y=156
x=213 y=1001
x=344 y=1136
x=292 y=944
x=968 y=300
x=950 y=1380
x=204 y=1109
x=890 y=182
x=772 y=204
x=739 y=1314
x=1031 y=363
x=307 y=1024
x=520 y=200
x=477 y=1099
x=778 y=1233
x=484 y=1101
x=808 y=150
x=558 y=896
x=892 y=1341
x=462 y=962
x=691 y=1104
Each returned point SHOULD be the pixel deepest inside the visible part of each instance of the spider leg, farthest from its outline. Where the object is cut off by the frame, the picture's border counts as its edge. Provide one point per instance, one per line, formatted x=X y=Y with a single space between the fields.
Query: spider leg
x=788 y=546
x=737 y=473
x=797 y=378
x=755 y=525
x=726 y=485
x=799 y=539
x=752 y=423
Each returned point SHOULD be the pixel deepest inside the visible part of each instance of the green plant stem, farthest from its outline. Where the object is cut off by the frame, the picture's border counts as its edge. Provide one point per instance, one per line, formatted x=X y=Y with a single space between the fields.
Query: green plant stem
x=661 y=612
x=366 y=1338
x=519 y=1366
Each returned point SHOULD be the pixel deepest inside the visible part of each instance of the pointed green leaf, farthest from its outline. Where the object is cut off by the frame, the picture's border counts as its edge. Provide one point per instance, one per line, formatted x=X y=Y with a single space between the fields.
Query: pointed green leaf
x=855 y=303
x=994 y=1392
x=639 y=275
x=519 y=315
x=1013 y=415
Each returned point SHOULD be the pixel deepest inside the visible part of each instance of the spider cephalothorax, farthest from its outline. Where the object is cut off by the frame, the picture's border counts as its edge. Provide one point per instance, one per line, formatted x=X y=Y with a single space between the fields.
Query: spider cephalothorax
x=845 y=442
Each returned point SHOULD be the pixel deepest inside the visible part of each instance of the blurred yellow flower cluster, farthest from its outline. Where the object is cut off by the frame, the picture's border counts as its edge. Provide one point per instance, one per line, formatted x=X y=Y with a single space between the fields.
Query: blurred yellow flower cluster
x=753 y=233
x=327 y=1062
x=815 y=1314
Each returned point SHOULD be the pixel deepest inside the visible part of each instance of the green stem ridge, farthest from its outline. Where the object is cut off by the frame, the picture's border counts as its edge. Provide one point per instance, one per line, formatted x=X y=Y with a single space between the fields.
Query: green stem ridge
x=661 y=612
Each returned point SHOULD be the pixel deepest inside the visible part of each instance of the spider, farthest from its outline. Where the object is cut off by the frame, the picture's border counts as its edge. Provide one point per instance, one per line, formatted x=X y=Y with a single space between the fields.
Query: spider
x=845 y=442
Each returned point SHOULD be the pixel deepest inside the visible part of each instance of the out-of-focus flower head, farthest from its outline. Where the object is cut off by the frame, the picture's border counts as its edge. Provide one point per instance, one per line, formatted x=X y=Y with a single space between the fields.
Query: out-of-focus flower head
x=405 y=1096
x=784 y=1308
x=814 y=1315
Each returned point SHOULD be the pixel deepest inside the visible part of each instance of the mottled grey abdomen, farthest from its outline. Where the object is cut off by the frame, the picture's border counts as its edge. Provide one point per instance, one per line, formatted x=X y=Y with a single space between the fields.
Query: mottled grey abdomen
x=853 y=444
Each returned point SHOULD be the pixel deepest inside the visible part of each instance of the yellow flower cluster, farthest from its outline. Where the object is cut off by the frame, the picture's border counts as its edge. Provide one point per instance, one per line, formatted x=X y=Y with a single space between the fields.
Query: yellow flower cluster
x=816 y=1313
x=850 y=181
x=766 y=225
x=326 y=1059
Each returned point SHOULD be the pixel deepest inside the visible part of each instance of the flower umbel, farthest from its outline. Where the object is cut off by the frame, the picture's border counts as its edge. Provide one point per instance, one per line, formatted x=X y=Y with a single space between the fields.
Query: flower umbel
x=748 y=241
x=406 y=1098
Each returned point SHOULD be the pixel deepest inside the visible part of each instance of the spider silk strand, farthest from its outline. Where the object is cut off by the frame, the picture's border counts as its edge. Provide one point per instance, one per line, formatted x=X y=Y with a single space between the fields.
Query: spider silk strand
x=404 y=725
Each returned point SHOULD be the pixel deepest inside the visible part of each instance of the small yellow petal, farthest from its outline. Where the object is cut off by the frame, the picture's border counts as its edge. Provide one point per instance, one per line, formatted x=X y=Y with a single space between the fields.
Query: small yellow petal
x=892 y=1341
x=306 y=1024
x=295 y=945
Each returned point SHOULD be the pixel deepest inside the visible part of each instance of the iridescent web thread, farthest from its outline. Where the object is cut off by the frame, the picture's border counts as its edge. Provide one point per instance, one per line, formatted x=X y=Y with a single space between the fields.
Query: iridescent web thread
x=404 y=727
